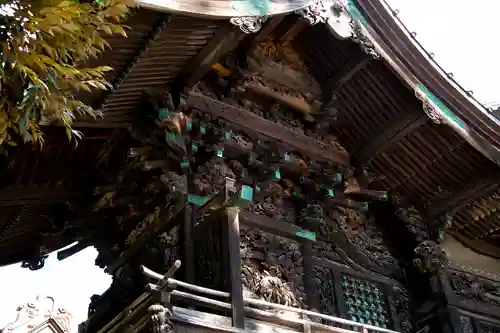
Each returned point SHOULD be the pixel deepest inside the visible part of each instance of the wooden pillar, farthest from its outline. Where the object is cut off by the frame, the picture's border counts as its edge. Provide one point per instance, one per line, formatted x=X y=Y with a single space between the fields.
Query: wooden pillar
x=233 y=239
x=188 y=243
x=312 y=301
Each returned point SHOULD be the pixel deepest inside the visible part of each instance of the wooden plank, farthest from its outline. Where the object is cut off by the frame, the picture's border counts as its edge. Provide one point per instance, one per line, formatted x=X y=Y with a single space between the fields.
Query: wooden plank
x=468 y=193
x=224 y=41
x=233 y=234
x=392 y=134
x=337 y=80
x=250 y=122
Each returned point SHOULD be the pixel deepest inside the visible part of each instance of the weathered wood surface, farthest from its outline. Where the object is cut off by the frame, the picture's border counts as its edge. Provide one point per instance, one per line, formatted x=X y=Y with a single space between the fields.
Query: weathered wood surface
x=253 y=123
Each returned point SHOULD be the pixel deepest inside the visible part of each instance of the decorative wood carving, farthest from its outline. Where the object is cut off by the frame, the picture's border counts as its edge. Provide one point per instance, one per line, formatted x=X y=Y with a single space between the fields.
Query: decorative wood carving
x=362 y=232
x=324 y=283
x=466 y=325
x=272 y=267
x=160 y=319
x=400 y=302
x=475 y=288
x=33 y=314
x=430 y=257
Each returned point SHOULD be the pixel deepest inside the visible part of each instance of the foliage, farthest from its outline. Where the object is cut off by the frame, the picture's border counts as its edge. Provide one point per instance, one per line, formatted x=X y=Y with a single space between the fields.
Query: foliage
x=43 y=46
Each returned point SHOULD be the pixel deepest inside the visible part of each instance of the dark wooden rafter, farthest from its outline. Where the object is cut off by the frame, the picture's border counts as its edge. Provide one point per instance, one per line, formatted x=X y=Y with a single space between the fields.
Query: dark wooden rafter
x=252 y=123
x=468 y=193
x=477 y=245
x=343 y=75
x=154 y=34
x=396 y=131
x=224 y=41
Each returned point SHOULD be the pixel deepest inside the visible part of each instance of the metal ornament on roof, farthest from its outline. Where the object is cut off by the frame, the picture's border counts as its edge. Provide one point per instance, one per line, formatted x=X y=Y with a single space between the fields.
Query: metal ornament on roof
x=248 y=24
x=342 y=23
x=33 y=314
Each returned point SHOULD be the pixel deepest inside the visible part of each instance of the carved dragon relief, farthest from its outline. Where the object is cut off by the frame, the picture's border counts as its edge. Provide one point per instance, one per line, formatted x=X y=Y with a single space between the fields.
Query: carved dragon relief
x=475 y=288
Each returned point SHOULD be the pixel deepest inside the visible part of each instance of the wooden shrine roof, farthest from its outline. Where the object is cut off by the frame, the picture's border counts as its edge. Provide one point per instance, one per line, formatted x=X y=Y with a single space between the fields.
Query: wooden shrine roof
x=381 y=122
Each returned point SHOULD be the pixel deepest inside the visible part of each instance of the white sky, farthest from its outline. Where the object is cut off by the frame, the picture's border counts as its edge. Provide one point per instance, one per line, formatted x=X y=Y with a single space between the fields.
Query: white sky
x=71 y=282
x=463 y=36
x=460 y=33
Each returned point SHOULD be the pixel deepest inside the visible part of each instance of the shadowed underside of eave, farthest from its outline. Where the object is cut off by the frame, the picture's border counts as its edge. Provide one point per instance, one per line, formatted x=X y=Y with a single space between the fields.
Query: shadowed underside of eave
x=380 y=122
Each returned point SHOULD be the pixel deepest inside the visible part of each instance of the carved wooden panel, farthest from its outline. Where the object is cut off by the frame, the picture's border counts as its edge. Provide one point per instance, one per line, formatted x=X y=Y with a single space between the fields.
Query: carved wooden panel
x=483 y=327
x=324 y=288
x=272 y=267
x=466 y=325
x=210 y=254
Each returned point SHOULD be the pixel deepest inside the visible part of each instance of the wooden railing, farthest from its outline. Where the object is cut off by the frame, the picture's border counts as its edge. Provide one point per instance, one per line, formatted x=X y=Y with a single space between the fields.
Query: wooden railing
x=267 y=319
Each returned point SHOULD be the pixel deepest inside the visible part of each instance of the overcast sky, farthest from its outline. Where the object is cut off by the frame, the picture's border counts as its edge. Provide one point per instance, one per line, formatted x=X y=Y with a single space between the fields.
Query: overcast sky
x=71 y=282
x=461 y=34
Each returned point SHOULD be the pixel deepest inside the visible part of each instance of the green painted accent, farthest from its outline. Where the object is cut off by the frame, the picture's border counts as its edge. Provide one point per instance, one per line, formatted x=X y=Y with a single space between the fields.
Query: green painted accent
x=194 y=148
x=189 y=125
x=257 y=188
x=449 y=115
x=246 y=193
x=252 y=7
x=203 y=130
x=311 y=235
x=170 y=136
x=220 y=152
x=228 y=135
x=184 y=164
x=331 y=192
x=355 y=13
x=277 y=174
x=163 y=113
x=197 y=200
x=359 y=298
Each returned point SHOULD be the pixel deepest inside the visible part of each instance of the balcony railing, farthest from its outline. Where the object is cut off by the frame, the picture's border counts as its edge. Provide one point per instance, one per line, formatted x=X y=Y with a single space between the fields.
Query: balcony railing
x=253 y=309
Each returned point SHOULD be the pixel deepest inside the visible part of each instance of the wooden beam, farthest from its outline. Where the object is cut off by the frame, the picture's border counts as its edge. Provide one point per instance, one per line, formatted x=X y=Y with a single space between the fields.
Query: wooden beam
x=233 y=234
x=164 y=219
x=467 y=194
x=224 y=41
x=477 y=245
x=340 y=78
x=267 y=224
x=252 y=123
x=392 y=134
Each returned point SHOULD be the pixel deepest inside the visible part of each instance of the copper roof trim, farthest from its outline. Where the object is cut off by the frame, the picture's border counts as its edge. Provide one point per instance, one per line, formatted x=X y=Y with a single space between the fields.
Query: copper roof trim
x=465 y=115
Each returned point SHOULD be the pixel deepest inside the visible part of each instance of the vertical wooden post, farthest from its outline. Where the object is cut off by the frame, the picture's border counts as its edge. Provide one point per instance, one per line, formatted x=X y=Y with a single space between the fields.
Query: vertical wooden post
x=233 y=235
x=308 y=278
x=188 y=240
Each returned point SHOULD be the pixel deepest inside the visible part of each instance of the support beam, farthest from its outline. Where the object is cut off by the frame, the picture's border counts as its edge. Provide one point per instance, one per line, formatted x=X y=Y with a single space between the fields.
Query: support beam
x=252 y=123
x=392 y=134
x=340 y=78
x=233 y=234
x=224 y=41
x=164 y=219
x=468 y=193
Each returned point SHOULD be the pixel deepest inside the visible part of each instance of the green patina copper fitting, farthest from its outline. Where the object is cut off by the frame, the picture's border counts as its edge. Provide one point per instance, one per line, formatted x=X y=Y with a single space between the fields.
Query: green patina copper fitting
x=449 y=116
x=355 y=13
x=252 y=7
